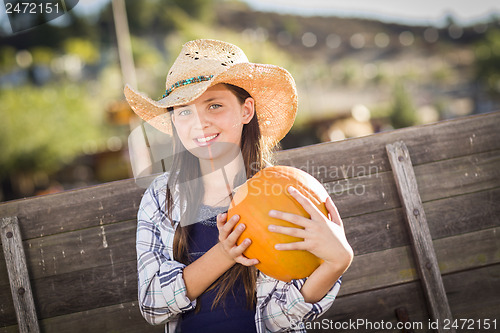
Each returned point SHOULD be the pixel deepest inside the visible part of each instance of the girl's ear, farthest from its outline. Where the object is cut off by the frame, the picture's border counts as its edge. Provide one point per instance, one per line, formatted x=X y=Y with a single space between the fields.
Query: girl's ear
x=248 y=110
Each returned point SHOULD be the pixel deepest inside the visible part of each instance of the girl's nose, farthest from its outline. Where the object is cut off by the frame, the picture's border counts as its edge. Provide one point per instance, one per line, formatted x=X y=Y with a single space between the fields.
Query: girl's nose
x=203 y=119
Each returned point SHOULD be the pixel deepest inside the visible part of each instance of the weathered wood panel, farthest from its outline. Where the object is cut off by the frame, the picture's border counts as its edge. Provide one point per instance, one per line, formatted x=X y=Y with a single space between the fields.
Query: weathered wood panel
x=435 y=180
x=420 y=235
x=80 y=291
x=449 y=216
x=19 y=279
x=76 y=209
x=79 y=250
x=122 y=318
x=483 y=249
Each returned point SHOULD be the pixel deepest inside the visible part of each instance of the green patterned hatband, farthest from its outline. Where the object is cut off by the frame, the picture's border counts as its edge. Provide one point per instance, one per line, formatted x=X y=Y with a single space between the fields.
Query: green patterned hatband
x=181 y=83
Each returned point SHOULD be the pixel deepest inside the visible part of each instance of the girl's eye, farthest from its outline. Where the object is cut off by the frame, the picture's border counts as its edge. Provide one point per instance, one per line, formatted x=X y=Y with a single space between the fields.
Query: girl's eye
x=215 y=106
x=184 y=112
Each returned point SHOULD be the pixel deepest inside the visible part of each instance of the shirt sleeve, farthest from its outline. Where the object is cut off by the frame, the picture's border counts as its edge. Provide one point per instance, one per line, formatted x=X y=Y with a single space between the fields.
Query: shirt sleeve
x=282 y=308
x=161 y=288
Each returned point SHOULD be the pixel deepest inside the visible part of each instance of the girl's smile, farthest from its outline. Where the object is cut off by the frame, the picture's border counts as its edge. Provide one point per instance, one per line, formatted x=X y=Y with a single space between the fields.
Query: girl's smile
x=206 y=140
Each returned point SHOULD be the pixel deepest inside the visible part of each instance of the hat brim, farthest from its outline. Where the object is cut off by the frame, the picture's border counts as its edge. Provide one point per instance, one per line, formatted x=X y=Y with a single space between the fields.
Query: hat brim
x=272 y=88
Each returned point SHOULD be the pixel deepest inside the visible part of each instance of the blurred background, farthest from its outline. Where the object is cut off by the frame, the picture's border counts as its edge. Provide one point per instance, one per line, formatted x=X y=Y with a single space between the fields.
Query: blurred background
x=360 y=69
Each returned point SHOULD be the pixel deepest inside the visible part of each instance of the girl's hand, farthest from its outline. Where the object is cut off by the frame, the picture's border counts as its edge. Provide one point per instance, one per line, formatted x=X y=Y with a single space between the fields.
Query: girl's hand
x=324 y=237
x=228 y=235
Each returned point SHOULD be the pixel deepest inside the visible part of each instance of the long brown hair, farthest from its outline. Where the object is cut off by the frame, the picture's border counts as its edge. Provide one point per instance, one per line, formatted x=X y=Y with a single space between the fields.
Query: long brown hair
x=256 y=154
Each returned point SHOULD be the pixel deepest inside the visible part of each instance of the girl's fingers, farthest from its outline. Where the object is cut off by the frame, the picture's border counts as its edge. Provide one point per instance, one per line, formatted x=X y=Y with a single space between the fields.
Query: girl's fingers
x=291 y=246
x=306 y=203
x=221 y=219
x=246 y=261
x=235 y=234
x=292 y=218
x=334 y=213
x=225 y=228
x=237 y=252
x=290 y=231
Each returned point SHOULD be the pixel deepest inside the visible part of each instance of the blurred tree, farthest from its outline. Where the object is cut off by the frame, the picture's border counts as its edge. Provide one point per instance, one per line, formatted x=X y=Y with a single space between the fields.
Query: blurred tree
x=7 y=59
x=402 y=113
x=45 y=127
x=158 y=17
x=83 y=48
x=488 y=61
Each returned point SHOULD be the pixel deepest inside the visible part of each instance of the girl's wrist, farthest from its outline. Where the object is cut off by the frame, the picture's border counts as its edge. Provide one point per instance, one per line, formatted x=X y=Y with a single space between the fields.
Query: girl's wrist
x=224 y=257
x=339 y=264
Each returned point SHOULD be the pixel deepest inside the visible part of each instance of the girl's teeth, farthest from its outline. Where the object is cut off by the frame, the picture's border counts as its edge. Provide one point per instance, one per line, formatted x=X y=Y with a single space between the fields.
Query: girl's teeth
x=208 y=138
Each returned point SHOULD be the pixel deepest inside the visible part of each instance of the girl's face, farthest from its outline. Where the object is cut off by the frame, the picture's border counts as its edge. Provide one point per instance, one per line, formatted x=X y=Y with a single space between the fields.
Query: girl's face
x=210 y=127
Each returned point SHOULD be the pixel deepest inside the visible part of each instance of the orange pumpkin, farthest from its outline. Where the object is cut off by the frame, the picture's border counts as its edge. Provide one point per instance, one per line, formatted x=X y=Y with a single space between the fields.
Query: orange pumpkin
x=267 y=190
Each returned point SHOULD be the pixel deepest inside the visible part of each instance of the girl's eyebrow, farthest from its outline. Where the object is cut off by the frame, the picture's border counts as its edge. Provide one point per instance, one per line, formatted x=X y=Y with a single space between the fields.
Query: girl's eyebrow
x=208 y=100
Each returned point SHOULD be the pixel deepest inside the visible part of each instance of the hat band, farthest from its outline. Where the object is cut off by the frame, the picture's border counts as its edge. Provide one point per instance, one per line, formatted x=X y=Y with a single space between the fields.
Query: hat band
x=194 y=79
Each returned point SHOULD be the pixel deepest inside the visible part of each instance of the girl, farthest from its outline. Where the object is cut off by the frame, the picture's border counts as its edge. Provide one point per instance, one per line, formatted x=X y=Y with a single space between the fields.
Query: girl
x=225 y=115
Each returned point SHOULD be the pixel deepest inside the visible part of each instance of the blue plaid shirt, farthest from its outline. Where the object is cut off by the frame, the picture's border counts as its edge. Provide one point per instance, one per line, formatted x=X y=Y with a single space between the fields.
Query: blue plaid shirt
x=162 y=293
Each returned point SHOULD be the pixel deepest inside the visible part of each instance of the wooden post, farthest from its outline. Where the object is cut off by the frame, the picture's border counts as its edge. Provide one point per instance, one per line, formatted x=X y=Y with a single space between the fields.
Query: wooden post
x=124 y=44
x=423 y=249
x=20 y=287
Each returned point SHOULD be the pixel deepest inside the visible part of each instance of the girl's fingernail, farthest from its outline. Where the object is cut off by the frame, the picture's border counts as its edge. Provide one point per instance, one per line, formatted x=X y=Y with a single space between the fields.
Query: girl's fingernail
x=272 y=213
x=235 y=217
x=277 y=246
x=247 y=241
x=241 y=226
x=271 y=227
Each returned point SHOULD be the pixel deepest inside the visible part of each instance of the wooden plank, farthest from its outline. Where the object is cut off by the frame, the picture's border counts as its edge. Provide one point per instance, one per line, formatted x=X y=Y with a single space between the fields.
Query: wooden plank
x=81 y=291
x=395 y=266
x=18 y=275
x=432 y=142
x=474 y=294
x=446 y=217
x=478 y=287
x=77 y=209
x=456 y=176
x=420 y=236
x=58 y=254
x=376 y=307
x=123 y=318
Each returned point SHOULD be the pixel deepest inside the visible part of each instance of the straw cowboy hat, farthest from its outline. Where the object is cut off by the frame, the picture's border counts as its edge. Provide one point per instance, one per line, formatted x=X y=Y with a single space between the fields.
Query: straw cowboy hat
x=204 y=63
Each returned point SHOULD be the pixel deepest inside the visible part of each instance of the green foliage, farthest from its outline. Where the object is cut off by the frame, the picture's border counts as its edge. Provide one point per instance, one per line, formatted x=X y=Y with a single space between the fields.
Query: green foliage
x=166 y=15
x=43 y=128
x=82 y=48
x=402 y=112
x=7 y=58
x=42 y=55
x=488 y=60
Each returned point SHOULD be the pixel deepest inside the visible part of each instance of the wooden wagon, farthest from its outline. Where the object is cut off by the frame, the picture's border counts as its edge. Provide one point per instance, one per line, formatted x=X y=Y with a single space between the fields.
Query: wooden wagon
x=421 y=208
